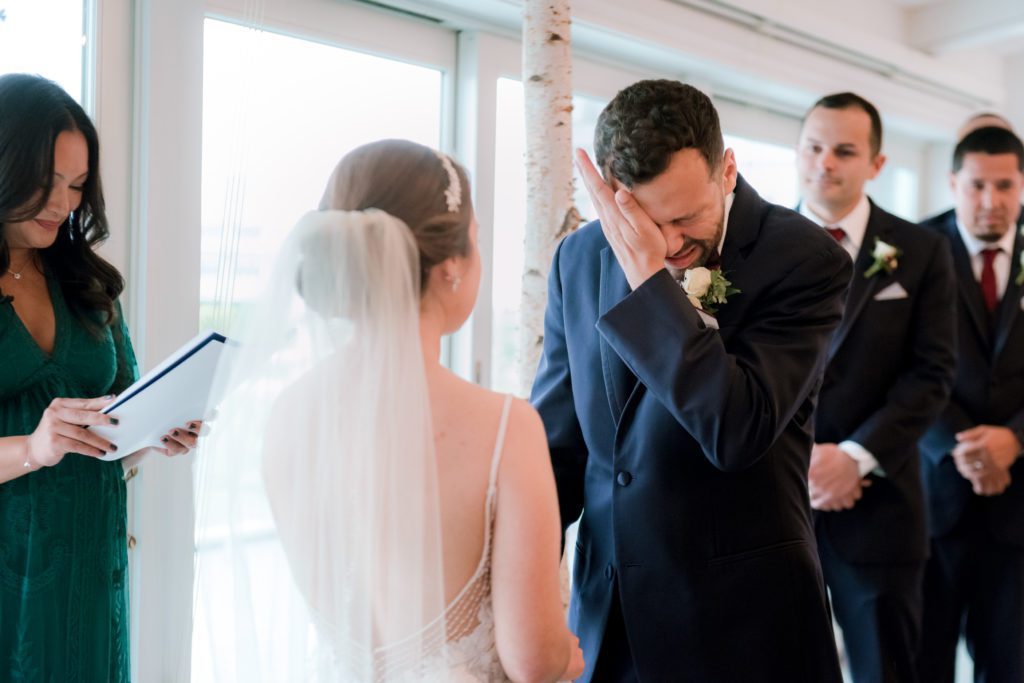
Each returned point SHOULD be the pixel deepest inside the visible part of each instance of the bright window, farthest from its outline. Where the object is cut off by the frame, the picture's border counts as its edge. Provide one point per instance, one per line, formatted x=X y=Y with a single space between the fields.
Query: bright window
x=44 y=37
x=770 y=169
x=510 y=219
x=278 y=114
x=896 y=190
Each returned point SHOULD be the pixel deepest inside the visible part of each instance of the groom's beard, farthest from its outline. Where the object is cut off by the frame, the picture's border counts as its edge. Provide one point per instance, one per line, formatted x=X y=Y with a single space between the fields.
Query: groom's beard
x=707 y=247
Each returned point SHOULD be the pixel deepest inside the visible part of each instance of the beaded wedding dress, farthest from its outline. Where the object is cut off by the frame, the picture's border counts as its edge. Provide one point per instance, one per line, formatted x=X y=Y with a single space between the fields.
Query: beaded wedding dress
x=470 y=653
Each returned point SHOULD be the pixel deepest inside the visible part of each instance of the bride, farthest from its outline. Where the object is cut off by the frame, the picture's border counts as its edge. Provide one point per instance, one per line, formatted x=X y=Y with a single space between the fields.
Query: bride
x=381 y=518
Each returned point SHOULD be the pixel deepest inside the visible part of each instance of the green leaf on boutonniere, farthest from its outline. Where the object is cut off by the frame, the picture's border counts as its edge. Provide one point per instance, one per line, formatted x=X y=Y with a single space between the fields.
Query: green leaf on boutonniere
x=707 y=289
x=886 y=259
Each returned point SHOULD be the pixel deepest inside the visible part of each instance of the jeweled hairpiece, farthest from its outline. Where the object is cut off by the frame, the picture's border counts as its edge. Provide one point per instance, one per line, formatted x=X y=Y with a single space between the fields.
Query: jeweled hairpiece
x=453 y=193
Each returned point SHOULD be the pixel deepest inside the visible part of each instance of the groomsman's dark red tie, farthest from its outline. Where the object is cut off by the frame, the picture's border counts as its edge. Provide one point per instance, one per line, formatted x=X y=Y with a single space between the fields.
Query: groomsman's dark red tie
x=838 y=233
x=988 y=278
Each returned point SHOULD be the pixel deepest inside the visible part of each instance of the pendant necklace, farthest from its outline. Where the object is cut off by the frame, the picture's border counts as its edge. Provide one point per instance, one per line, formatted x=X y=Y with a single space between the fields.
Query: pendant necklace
x=17 y=274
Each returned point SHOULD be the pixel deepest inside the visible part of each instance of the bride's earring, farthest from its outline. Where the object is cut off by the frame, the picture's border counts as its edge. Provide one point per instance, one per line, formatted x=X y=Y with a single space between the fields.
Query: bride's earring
x=456 y=281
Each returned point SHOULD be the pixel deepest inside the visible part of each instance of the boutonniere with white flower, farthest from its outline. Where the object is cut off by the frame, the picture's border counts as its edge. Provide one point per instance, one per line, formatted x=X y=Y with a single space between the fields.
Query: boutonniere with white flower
x=886 y=259
x=707 y=289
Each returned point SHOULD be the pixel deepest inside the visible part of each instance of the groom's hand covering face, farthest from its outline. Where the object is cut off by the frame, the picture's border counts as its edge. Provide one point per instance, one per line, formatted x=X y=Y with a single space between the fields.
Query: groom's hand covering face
x=687 y=203
x=675 y=220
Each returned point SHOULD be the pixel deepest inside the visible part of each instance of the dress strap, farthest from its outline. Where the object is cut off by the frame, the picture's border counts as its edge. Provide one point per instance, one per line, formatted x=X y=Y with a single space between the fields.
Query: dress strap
x=499 y=444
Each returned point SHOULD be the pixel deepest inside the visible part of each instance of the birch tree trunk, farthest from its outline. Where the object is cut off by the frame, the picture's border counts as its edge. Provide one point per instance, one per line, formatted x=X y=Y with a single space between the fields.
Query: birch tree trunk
x=550 y=211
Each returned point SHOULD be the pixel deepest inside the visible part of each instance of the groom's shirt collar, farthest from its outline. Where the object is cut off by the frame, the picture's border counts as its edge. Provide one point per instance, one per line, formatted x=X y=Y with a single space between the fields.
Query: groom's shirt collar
x=725 y=219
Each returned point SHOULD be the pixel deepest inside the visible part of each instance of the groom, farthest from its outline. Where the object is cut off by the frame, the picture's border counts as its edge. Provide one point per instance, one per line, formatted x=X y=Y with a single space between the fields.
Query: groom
x=684 y=438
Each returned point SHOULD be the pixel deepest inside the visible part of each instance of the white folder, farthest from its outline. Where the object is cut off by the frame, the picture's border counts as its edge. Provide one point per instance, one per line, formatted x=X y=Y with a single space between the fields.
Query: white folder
x=165 y=398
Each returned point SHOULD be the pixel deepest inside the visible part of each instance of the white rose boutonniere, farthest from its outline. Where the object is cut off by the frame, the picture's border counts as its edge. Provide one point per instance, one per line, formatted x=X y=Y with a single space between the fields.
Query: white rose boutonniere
x=706 y=289
x=886 y=258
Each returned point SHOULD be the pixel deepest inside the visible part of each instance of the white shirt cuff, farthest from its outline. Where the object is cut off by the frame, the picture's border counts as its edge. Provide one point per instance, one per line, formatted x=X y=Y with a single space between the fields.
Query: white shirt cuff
x=866 y=462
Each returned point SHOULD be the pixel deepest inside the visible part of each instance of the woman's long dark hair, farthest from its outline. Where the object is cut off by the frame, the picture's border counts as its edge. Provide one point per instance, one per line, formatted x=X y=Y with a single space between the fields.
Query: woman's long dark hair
x=33 y=112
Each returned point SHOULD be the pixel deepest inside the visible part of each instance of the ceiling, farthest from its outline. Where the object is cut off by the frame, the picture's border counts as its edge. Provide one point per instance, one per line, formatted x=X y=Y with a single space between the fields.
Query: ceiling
x=953 y=26
x=930 y=62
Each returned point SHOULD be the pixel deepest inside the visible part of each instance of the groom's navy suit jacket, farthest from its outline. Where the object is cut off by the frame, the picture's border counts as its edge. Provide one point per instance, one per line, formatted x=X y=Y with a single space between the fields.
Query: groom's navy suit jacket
x=890 y=372
x=989 y=389
x=686 y=449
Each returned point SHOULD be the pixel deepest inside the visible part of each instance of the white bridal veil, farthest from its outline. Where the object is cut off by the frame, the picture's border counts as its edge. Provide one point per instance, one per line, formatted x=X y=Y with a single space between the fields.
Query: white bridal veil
x=318 y=502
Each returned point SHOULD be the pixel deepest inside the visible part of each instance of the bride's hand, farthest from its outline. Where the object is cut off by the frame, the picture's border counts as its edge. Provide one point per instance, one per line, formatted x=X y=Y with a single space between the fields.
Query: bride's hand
x=576 y=664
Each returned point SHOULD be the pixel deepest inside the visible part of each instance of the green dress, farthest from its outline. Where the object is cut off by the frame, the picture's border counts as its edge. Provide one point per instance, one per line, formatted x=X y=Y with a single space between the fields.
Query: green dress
x=63 y=540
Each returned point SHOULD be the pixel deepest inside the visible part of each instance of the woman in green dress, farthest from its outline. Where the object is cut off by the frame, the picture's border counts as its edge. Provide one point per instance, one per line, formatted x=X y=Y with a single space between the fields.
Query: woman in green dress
x=63 y=342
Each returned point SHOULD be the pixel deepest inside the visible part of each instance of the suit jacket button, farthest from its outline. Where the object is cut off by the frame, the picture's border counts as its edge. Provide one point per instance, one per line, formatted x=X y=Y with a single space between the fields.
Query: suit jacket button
x=609 y=572
x=624 y=478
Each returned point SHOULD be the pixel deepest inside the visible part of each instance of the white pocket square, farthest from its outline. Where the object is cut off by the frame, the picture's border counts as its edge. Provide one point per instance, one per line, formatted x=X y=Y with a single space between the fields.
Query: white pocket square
x=709 y=320
x=893 y=291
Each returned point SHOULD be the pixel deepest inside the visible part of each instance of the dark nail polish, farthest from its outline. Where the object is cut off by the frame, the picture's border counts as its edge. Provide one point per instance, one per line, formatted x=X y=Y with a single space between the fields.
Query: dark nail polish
x=174 y=433
x=193 y=434
x=192 y=425
x=114 y=421
x=163 y=439
x=113 y=447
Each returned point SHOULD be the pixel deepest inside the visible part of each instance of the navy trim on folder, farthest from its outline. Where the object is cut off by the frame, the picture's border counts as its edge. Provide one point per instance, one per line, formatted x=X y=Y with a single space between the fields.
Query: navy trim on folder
x=121 y=400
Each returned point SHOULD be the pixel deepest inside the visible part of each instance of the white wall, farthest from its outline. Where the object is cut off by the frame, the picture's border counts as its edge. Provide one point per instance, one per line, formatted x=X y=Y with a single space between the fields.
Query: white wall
x=1014 y=75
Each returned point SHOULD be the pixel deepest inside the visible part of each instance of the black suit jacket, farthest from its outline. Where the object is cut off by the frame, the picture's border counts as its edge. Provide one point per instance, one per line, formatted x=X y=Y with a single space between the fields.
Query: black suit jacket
x=687 y=448
x=989 y=389
x=890 y=372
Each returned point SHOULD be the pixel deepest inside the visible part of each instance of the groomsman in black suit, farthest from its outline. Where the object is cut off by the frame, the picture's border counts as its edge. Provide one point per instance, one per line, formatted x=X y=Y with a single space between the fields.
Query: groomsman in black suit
x=678 y=409
x=889 y=374
x=974 y=581
x=981 y=120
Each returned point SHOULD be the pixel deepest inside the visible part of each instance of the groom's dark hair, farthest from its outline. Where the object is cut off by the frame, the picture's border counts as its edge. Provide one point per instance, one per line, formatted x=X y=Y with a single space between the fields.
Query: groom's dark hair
x=648 y=122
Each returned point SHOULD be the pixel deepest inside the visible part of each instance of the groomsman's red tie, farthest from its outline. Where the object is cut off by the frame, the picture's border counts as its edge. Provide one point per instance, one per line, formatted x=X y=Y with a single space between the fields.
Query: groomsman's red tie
x=988 y=279
x=838 y=233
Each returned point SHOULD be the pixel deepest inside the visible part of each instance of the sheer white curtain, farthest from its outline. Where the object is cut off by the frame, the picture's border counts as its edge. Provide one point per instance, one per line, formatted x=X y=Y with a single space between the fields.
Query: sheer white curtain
x=284 y=100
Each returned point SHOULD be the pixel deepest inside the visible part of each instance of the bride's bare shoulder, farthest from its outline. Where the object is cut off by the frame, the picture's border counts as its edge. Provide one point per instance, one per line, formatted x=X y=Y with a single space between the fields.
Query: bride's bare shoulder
x=524 y=424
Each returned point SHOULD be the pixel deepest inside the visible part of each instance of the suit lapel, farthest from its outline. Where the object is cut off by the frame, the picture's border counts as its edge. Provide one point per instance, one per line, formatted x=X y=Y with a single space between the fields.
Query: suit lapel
x=1009 y=307
x=970 y=292
x=861 y=288
x=744 y=226
x=742 y=231
x=619 y=382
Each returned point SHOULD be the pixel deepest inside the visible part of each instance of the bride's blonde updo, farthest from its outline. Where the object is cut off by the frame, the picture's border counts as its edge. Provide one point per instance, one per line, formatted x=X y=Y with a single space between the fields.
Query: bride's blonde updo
x=412 y=183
